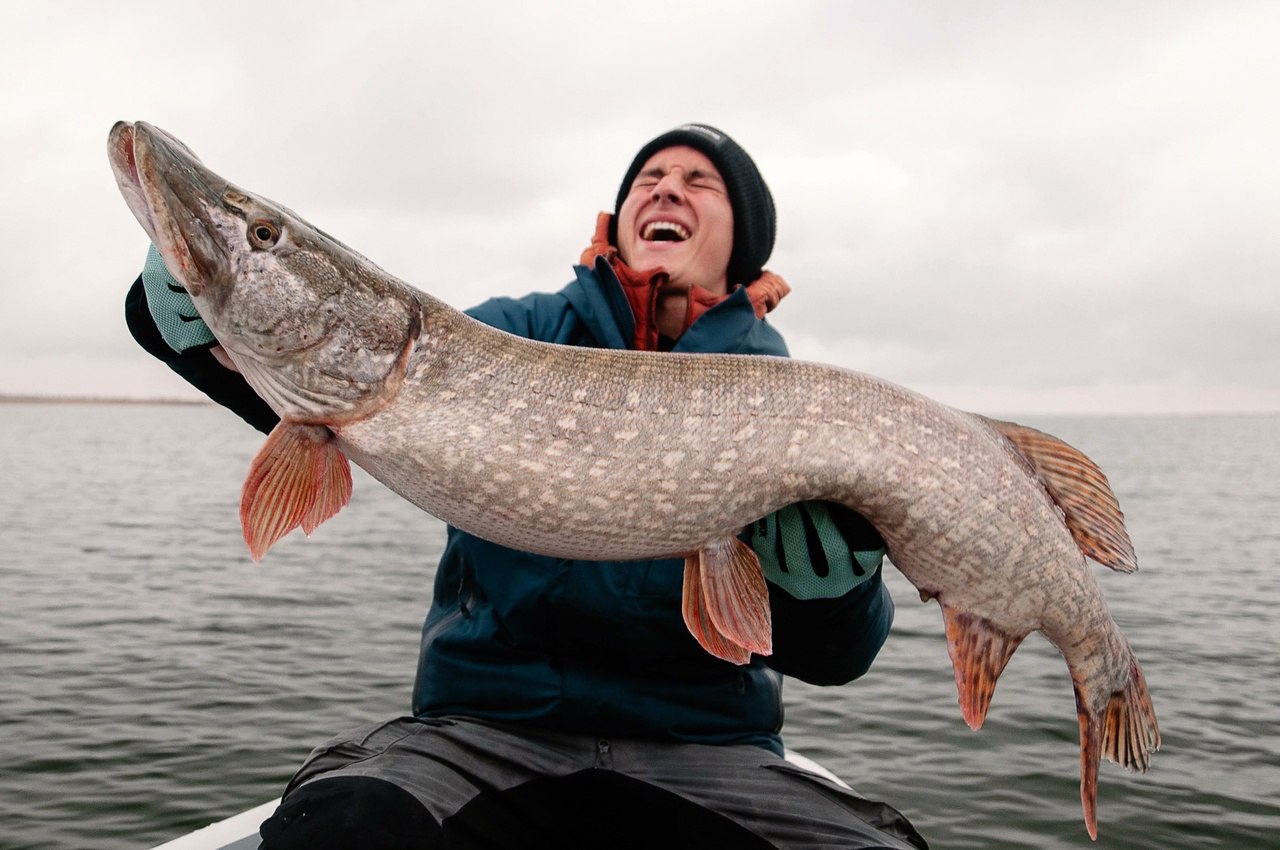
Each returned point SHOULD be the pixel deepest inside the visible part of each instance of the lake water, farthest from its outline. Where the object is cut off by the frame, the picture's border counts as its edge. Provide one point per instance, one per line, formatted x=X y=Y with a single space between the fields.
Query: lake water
x=152 y=678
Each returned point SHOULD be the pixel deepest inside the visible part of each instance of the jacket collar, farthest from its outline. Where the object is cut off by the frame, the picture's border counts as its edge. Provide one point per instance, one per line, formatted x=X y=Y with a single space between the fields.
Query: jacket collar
x=627 y=299
x=730 y=327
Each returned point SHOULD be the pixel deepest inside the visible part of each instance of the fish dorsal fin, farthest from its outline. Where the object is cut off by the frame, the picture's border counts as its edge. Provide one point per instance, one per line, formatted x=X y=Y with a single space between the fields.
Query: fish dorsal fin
x=1090 y=509
x=298 y=478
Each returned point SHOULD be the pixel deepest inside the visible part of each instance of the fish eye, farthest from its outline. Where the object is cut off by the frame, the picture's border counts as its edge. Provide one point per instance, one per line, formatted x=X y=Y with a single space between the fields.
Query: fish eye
x=264 y=233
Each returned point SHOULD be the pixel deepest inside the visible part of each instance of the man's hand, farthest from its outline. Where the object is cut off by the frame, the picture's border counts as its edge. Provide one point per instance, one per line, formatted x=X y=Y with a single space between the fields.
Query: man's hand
x=817 y=550
x=172 y=309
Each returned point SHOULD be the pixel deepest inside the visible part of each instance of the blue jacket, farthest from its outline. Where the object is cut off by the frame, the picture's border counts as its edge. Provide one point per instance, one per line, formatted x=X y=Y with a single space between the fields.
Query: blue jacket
x=596 y=647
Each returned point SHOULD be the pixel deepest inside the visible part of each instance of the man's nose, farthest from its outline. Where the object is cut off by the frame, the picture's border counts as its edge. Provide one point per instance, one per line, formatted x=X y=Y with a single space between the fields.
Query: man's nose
x=669 y=187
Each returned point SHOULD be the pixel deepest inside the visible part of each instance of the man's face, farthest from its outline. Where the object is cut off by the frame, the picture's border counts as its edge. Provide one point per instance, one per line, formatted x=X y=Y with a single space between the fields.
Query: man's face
x=677 y=215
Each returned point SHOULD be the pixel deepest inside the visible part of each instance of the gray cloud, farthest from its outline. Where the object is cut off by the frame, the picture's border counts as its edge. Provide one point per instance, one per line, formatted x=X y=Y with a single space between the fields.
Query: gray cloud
x=1043 y=206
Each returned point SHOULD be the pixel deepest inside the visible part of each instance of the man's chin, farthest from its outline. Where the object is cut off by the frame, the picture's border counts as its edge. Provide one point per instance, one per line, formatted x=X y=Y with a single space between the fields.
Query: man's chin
x=665 y=254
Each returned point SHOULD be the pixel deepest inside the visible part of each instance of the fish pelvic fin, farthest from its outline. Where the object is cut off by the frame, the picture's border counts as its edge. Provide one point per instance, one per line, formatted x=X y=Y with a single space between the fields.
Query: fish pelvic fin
x=1079 y=487
x=726 y=601
x=298 y=478
x=979 y=652
x=1123 y=731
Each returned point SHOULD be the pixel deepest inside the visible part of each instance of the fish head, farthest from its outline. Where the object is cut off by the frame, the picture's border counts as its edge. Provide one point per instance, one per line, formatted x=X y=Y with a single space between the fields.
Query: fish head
x=320 y=332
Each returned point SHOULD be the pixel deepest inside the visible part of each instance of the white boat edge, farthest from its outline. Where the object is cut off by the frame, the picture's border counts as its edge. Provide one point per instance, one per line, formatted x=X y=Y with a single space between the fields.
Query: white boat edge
x=225 y=832
x=813 y=767
x=244 y=826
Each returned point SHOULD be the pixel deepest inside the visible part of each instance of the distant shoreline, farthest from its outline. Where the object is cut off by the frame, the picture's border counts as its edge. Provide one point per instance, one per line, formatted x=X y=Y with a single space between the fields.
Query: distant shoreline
x=60 y=399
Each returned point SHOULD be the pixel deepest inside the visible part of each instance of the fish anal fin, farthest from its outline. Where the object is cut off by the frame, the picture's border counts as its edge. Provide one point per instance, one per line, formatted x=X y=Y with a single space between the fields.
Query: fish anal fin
x=1079 y=487
x=697 y=618
x=298 y=478
x=1123 y=731
x=979 y=652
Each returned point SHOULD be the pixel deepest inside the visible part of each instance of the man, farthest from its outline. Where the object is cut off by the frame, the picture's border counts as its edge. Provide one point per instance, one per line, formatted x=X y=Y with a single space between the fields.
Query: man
x=564 y=702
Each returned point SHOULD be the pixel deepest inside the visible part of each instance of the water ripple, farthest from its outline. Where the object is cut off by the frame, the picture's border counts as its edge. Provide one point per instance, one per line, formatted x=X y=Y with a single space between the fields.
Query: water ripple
x=155 y=678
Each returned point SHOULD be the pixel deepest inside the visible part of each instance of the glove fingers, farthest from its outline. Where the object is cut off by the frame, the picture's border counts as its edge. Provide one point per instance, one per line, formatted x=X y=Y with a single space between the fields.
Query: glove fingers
x=171 y=307
x=807 y=549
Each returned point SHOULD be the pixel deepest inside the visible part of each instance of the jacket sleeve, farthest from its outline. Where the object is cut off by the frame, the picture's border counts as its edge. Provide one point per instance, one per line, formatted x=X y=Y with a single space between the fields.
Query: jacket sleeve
x=820 y=637
x=830 y=641
x=197 y=366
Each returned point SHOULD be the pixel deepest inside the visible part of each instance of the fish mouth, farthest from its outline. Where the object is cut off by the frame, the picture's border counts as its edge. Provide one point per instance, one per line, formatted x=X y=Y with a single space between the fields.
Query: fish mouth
x=169 y=192
x=125 y=167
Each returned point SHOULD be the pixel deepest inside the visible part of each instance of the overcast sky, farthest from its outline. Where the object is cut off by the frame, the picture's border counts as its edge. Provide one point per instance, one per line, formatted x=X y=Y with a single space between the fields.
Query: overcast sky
x=1014 y=207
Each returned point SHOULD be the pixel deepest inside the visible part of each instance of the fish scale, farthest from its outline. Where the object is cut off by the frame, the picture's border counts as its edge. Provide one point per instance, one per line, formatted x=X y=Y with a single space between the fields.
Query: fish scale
x=615 y=455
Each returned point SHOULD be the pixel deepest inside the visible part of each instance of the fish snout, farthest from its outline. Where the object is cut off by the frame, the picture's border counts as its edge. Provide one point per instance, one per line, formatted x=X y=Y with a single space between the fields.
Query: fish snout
x=173 y=197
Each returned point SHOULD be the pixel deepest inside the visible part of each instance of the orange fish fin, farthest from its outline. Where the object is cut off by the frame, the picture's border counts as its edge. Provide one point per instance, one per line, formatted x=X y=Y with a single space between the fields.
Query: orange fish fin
x=296 y=478
x=979 y=652
x=736 y=594
x=1090 y=508
x=698 y=619
x=1090 y=747
x=1124 y=731
x=333 y=490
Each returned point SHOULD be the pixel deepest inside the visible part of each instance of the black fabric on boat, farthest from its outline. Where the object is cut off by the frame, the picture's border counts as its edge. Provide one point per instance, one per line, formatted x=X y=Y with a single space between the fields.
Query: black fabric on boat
x=587 y=809
x=462 y=784
x=351 y=812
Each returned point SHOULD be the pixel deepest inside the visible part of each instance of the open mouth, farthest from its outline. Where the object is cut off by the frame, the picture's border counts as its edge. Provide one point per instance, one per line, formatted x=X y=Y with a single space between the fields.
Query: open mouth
x=664 y=231
x=125 y=165
x=151 y=170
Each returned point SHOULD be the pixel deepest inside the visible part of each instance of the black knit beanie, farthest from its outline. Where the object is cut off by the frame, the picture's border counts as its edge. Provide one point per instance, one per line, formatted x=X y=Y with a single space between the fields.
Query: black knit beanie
x=754 y=224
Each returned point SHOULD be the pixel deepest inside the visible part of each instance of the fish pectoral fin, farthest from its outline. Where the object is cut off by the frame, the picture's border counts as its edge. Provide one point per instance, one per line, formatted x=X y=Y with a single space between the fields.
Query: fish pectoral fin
x=1123 y=731
x=298 y=478
x=332 y=487
x=726 y=601
x=1090 y=508
x=979 y=652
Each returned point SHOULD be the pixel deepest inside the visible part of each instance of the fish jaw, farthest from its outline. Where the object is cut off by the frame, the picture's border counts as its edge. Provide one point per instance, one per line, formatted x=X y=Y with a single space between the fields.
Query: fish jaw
x=170 y=193
x=290 y=305
x=125 y=168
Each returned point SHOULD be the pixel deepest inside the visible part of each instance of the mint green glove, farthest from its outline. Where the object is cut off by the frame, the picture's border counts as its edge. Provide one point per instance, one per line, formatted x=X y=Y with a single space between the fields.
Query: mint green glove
x=817 y=550
x=171 y=307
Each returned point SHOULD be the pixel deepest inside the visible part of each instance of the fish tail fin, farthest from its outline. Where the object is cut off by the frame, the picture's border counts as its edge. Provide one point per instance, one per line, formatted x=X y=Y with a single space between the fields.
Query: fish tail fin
x=726 y=601
x=1130 y=733
x=298 y=478
x=1124 y=731
x=979 y=652
x=1090 y=748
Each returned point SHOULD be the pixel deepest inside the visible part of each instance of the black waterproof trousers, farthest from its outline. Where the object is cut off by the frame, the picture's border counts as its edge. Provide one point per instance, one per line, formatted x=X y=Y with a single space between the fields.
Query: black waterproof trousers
x=464 y=784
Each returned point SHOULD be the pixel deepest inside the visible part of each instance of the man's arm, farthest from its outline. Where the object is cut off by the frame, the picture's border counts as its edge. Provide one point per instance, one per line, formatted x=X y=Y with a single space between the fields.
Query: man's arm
x=831 y=610
x=189 y=354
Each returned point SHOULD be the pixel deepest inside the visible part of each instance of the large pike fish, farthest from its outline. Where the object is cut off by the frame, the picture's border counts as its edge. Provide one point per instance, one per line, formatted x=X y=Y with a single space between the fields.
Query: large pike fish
x=534 y=446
